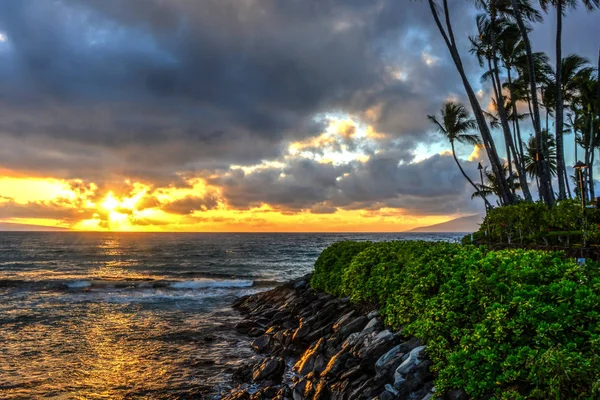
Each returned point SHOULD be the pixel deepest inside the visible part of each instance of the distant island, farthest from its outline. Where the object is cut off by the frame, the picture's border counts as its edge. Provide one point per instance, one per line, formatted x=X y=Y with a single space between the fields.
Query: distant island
x=469 y=223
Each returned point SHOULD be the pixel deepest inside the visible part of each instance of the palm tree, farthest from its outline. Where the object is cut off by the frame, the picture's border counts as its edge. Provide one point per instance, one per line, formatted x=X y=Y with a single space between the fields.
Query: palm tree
x=485 y=46
x=490 y=184
x=531 y=165
x=561 y=6
x=445 y=29
x=546 y=192
x=455 y=124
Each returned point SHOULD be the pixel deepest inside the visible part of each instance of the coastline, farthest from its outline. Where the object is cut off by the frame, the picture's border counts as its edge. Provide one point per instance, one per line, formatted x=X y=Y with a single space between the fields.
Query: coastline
x=317 y=346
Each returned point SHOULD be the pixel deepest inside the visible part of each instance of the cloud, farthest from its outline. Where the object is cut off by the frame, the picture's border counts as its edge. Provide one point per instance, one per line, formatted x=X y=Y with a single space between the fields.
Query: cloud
x=190 y=204
x=162 y=92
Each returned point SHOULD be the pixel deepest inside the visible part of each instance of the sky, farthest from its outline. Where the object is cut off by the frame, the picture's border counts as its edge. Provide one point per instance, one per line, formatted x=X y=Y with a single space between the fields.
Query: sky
x=237 y=115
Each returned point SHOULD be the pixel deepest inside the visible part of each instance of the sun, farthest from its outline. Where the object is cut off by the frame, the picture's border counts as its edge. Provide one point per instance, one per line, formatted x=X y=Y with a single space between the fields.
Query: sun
x=110 y=203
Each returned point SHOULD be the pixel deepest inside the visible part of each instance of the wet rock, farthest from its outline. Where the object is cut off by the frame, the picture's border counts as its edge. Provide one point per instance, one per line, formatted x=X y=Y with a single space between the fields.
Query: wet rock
x=356 y=325
x=302 y=331
x=319 y=333
x=261 y=343
x=336 y=364
x=242 y=374
x=270 y=368
x=244 y=326
x=321 y=391
x=306 y=363
x=342 y=321
x=256 y=332
x=320 y=364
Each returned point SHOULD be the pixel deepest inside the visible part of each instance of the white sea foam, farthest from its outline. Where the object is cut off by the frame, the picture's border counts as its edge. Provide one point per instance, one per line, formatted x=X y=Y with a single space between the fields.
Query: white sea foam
x=210 y=283
x=78 y=284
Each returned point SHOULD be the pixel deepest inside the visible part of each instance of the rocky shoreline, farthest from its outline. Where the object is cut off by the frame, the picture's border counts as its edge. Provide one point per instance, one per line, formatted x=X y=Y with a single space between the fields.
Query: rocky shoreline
x=317 y=346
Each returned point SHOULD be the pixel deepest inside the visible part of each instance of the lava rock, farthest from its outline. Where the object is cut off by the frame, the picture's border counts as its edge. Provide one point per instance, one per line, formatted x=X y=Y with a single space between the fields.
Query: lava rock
x=261 y=343
x=270 y=368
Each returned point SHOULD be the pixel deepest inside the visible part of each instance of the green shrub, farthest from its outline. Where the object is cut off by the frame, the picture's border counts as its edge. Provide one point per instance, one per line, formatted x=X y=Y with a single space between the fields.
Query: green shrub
x=534 y=223
x=331 y=264
x=511 y=324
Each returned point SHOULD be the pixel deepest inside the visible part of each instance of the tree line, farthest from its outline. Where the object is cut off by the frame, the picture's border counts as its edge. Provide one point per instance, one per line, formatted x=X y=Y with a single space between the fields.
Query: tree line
x=524 y=86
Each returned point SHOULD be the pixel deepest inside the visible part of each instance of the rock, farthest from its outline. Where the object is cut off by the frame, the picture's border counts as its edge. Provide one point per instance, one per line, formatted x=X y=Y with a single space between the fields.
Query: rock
x=351 y=373
x=261 y=343
x=289 y=324
x=242 y=374
x=321 y=391
x=385 y=395
x=373 y=314
x=320 y=364
x=373 y=325
x=456 y=394
x=306 y=363
x=319 y=333
x=381 y=344
x=336 y=364
x=356 y=325
x=301 y=284
x=303 y=330
x=256 y=332
x=389 y=356
x=412 y=360
x=303 y=389
x=270 y=368
x=390 y=388
x=244 y=326
x=342 y=321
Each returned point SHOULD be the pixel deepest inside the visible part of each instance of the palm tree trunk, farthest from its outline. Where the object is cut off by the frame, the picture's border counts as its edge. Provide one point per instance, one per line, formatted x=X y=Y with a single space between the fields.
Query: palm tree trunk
x=486 y=135
x=545 y=184
x=516 y=118
x=584 y=189
x=560 y=153
x=568 y=187
x=487 y=203
x=592 y=155
x=510 y=145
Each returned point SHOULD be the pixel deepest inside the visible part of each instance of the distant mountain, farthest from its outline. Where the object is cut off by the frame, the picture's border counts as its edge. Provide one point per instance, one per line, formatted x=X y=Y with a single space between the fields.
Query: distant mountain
x=12 y=227
x=464 y=224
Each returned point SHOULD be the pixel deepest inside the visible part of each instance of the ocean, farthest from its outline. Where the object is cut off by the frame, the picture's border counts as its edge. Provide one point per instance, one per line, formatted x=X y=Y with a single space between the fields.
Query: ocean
x=138 y=315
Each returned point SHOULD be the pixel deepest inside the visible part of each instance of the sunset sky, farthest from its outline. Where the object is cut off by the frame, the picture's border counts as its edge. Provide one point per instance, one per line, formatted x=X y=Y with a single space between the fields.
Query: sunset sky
x=236 y=115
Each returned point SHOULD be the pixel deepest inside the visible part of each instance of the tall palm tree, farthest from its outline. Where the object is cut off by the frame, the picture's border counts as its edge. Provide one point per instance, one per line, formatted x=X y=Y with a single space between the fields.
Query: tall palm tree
x=546 y=191
x=485 y=46
x=455 y=124
x=445 y=28
x=561 y=7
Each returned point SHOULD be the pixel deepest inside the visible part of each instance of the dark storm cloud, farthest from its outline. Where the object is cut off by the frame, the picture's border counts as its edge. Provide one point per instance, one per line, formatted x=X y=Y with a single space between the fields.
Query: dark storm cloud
x=433 y=186
x=190 y=204
x=297 y=186
x=215 y=82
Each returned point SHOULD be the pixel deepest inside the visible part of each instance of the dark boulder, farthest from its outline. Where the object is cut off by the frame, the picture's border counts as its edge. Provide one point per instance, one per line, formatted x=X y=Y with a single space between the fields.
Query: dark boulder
x=270 y=368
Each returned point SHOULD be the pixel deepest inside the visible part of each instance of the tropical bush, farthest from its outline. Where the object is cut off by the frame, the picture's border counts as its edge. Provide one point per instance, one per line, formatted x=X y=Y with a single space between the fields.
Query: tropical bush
x=511 y=324
x=332 y=263
x=534 y=223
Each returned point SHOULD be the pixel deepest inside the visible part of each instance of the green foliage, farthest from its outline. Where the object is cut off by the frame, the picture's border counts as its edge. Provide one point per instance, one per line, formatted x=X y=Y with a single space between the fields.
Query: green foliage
x=511 y=324
x=535 y=223
x=331 y=264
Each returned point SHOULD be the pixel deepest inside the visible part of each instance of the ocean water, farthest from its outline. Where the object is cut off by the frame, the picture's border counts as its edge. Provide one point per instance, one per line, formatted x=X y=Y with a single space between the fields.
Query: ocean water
x=137 y=316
